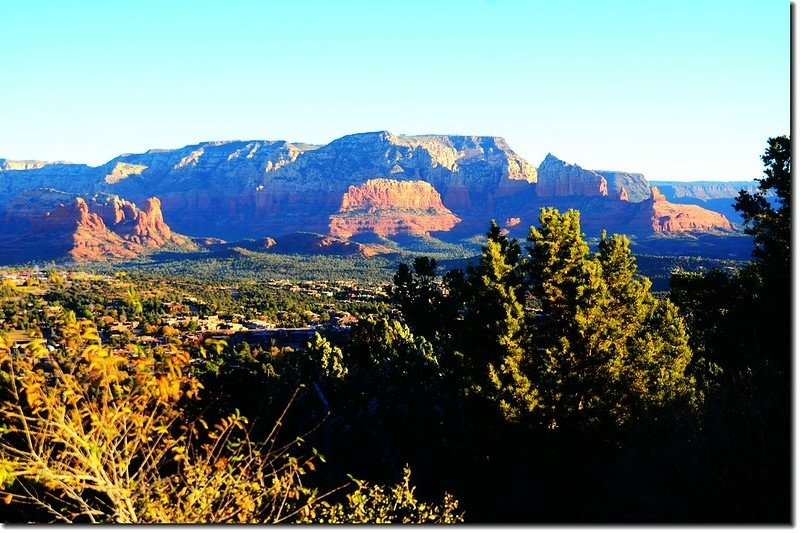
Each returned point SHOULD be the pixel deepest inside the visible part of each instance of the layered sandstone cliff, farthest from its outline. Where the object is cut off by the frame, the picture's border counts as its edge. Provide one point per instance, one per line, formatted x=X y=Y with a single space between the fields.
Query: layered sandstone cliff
x=635 y=186
x=558 y=178
x=389 y=207
x=663 y=216
x=714 y=195
x=67 y=230
x=706 y=190
x=142 y=226
x=122 y=170
x=149 y=228
x=113 y=209
x=91 y=239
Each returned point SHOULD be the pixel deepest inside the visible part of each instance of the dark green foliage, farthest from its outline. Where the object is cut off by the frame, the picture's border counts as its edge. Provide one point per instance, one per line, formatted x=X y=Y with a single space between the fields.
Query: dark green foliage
x=714 y=306
x=416 y=294
x=608 y=349
x=740 y=327
x=492 y=325
x=770 y=226
x=552 y=337
x=771 y=230
x=558 y=267
x=741 y=322
x=593 y=347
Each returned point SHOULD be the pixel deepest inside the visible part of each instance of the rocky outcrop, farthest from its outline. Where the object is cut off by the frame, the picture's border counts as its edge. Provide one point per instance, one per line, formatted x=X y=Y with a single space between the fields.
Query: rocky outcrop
x=317 y=244
x=113 y=209
x=662 y=216
x=558 y=178
x=142 y=226
x=49 y=224
x=68 y=230
x=389 y=207
x=635 y=185
x=28 y=164
x=149 y=228
x=91 y=239
x=122 y=170
x=377 y=194
x=714 y=195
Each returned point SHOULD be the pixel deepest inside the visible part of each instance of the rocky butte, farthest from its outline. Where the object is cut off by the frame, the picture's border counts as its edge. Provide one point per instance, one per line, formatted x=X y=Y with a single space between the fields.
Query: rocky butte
x=388 y=207
x=667 y=217
x=45 y=224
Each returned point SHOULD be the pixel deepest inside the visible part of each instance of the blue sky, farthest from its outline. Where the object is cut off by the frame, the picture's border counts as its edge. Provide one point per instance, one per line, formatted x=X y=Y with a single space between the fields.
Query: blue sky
x=675 y=89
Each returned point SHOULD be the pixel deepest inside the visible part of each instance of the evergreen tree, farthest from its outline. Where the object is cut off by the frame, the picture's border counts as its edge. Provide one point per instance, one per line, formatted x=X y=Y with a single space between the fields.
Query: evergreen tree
x=557 y=265
x=629 y=293
x=567 y=343
x=770 y=226
x=741 y=325
x=323 y=360
x=605 y=348
x=493 y=327
x=418 y=295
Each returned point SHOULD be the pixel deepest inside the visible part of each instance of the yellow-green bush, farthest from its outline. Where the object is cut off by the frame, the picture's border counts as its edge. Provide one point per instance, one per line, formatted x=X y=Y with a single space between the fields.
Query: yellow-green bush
x=97 y=434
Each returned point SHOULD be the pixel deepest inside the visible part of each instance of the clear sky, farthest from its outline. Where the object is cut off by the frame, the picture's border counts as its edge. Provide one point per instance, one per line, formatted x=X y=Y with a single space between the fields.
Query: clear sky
x=677 y=89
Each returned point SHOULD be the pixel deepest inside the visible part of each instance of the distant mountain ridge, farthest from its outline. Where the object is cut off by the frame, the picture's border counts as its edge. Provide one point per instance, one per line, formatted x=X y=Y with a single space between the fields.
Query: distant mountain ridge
x=704 y=190
x=375 y=183
x=715 y=195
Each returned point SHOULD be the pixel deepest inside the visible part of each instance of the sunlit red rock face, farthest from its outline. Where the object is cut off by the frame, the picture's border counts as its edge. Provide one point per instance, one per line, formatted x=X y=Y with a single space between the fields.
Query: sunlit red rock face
x=51 y=224
x=389 y=207
x=667 y=217
x=141 y=226
x=66 y=230
x=91 y=239
x=150 y=228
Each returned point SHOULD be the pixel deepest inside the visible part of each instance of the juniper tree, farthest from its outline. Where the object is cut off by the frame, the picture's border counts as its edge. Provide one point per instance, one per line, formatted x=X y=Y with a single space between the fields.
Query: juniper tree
x=492 y=326
x=601 y=346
